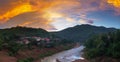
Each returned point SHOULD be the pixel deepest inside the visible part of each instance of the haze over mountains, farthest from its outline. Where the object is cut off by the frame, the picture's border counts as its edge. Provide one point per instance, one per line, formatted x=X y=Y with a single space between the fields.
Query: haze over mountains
x=82 y=32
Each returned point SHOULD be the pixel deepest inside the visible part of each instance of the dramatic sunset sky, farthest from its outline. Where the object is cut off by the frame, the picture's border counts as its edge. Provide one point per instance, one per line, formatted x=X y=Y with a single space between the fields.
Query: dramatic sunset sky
x=59 y=14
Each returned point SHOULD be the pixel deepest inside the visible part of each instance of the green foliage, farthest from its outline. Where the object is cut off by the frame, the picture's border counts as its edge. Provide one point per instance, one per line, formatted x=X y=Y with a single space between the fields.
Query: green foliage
x=81 y=33
x=24 y=31
x=8 y=40
x=103 y=45
x=26 y=60
x=48 y=53
x=1 y=43
x=13 y=48
x=9 y=37
x=12 y=39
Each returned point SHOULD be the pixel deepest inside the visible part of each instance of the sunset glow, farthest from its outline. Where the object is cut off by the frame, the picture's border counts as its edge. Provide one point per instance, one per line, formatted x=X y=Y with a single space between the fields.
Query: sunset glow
x=59 y=14
x=116 y=3
x=16 y=11
x=51 y=15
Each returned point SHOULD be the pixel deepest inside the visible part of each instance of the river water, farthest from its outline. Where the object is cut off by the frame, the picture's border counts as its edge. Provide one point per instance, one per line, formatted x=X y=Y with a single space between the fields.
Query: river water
x=66 y=56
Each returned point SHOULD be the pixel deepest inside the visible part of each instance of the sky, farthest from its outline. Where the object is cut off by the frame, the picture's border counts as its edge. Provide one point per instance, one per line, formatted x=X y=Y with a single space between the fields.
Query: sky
x=55 y=15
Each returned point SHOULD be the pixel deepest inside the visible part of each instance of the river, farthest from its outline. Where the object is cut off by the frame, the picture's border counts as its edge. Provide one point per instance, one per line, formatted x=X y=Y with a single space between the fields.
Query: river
x=66 y=56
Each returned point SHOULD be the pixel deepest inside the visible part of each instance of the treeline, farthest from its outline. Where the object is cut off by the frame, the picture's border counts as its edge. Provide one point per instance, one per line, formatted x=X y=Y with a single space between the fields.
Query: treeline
x=9 y=39
x=103 y=45
x=24 y=31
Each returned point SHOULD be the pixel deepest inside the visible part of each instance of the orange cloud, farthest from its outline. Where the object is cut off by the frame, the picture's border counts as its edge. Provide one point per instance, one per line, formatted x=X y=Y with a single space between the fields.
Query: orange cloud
x=49 y=11
x=16 y=11
x=23 y=7
x=16 y=14
x=25 y=23
x=115 y=3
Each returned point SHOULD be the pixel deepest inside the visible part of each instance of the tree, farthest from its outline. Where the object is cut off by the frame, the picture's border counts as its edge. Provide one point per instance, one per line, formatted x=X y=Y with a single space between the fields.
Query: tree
x=1 y=43
x=103 y=45
x=13 y=48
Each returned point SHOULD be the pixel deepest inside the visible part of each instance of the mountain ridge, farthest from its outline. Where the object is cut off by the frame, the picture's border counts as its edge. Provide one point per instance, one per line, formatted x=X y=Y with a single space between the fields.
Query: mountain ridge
x=82 y=32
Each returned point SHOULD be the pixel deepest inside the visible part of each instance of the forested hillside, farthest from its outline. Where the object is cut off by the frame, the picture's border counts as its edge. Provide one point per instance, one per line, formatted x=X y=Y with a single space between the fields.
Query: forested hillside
x=81 y=33
x=104 y=46
x=18 y=40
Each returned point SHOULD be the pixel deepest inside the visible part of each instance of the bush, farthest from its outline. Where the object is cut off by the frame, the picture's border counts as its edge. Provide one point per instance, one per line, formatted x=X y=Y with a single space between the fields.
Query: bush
x=1 y=43
x=103 y=45
x=13 y=48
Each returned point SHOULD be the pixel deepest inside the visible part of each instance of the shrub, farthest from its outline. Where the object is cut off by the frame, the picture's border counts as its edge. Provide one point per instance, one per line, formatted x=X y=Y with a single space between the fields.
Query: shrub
x=103 y=45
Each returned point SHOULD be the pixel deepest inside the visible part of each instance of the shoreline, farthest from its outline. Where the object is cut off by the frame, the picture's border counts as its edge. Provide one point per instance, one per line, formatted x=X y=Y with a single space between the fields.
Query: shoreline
x=79 y=60
x=65 y=56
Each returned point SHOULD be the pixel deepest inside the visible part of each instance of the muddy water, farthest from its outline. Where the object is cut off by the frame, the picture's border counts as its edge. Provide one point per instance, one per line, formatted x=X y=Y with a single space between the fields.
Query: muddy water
x=66 y=56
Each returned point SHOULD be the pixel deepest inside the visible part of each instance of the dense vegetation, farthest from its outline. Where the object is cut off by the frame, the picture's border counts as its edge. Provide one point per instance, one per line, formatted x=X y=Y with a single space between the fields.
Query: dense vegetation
x=81 y=33
x=24 y=31
x=103 y=45
x=9 y=39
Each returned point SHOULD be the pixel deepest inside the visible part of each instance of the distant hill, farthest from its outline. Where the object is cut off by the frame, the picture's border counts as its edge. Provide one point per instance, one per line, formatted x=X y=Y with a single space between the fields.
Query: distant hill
x=24 y=31
x=82 y=32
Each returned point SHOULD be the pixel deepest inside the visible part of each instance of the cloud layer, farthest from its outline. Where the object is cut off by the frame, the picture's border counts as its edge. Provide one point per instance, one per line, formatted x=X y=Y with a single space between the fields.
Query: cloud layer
x=46 y=13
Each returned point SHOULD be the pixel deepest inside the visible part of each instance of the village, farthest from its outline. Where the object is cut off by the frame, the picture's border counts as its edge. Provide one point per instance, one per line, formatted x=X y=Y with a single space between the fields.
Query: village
x=39 y=41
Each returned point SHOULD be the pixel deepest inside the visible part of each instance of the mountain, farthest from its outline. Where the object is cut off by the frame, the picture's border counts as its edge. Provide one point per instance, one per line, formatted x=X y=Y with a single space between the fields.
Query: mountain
x=76 y=33
x=82 y=32
x=24 y=32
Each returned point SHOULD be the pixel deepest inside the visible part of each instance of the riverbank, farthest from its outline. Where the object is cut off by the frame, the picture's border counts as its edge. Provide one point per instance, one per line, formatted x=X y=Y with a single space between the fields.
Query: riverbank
x=66 y=56
x=81 y=60
x=33 y=55
x=99 y=59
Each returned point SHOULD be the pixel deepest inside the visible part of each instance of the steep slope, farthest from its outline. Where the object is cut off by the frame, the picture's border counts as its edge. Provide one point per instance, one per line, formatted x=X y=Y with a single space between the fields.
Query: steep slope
x=82 y=32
